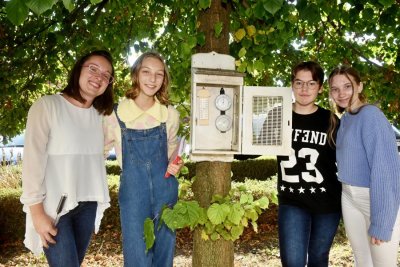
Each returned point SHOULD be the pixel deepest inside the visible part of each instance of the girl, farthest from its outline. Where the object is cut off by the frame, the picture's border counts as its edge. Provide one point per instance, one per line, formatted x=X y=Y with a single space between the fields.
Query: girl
x=308 y=190
x=144 y=128
x=369 y=169
x=64 y=156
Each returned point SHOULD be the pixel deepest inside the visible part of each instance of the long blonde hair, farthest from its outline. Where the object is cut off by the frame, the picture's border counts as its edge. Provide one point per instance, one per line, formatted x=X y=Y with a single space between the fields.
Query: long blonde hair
x=348 y=71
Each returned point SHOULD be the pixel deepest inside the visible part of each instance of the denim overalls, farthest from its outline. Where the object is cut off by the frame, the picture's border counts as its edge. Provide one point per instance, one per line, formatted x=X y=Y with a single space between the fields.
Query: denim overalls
x=142 y=194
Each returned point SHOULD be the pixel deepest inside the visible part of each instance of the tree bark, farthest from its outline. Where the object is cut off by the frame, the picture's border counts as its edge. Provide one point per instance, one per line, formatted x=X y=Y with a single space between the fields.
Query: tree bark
x=212 y=177
x=218 y=12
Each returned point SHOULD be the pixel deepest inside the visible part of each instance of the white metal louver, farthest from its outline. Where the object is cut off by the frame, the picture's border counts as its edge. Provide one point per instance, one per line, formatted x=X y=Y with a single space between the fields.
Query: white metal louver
x=267 y=115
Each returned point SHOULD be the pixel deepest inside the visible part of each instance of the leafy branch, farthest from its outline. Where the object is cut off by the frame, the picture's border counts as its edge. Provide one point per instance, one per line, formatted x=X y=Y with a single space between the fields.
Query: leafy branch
x=225 y=218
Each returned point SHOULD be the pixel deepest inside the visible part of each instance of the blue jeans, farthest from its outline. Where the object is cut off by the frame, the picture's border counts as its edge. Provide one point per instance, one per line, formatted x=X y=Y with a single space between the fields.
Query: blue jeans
x=143 y=192
x=303 y=234
x=73 y=237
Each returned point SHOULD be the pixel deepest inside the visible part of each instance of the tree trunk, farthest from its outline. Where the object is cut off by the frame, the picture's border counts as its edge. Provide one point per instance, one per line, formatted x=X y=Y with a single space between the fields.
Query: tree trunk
x=218 y=12
x=212 y=177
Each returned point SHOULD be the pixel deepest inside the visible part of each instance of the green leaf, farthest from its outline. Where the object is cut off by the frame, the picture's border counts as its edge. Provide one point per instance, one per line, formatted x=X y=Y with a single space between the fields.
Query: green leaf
x=186 y=50
x=242 y=66
x=69 y=5
x=17 y=11
x=218 y=28
x=214 y=236
x=184 y=213
x=204 y=235
x=201 y=39
x=95 y=2
x=236 y=214
x=310 y=13
x=274 y=198
x=192 y=41
x=251 y=30
x=239 y=34
x=246 y=198
x=149 y=233
x=255 y=226
x=184 y=170
x=237 y=231
x=40 y=6
x=368 y=13
x=242 y=52
x=204 y=4
x=252 y=215
x=386 y=3
x=217 y=213
x=225 y=234
x=262 y=202
x=259 y=65
x=259 y=11
x=272 y=6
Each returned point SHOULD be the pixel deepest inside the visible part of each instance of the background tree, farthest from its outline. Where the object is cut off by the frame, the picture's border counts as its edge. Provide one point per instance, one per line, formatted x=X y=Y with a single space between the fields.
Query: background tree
x=39 y=41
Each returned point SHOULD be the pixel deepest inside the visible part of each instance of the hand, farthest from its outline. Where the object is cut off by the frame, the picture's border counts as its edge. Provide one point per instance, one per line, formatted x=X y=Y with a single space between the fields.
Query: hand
x=43 y=224
x=376 y=241
x=174 y=167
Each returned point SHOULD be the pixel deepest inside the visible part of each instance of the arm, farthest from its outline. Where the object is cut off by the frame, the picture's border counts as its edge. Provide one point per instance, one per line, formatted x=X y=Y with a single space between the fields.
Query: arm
x=384 y=161
x=35 y=154
x=112 y=136
x=43 y=224
x=172 y=128
x=33 y=170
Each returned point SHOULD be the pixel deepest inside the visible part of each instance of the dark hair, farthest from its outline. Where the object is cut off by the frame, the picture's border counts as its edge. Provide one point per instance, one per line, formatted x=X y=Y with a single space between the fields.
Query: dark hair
x=348 y=71
x=162 y=93
x=316 y=70
x=102 y=103
x=318 y=75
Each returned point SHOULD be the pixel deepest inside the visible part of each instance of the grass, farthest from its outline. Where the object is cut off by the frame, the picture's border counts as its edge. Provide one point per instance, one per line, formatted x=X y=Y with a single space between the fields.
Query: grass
x=10 y=176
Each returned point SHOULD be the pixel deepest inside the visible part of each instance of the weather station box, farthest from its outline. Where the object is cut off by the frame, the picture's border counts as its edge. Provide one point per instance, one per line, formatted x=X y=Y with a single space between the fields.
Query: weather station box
x=228 y=118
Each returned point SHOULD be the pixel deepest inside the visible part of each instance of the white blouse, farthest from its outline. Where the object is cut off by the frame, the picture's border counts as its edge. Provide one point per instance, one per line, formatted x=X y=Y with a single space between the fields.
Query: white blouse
x=63 y=154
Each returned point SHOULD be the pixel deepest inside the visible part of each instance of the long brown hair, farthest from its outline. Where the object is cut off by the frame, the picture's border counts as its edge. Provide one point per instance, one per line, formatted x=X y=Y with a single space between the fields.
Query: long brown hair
x=162 y=93
x=102 y=103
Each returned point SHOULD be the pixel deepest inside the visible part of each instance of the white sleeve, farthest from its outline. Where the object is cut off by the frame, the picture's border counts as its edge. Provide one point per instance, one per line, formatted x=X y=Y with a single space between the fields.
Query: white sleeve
x=35 y=153
x=172 y=130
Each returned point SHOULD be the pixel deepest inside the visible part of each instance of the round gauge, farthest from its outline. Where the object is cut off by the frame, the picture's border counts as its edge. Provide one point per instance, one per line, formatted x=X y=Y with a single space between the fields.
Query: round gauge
x=223 y=123
x=223 y=102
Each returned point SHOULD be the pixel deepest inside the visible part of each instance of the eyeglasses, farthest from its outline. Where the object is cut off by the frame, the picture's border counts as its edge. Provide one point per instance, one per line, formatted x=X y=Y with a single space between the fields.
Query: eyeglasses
x=105 y=76
x=298 y=84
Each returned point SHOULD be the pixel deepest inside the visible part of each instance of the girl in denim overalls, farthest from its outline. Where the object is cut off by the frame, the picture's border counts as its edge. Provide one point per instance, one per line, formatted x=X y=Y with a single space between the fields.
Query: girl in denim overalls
x=143 y=128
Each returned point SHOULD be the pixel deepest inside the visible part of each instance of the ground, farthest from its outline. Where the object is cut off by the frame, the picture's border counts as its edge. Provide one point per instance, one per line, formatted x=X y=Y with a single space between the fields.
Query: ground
x=252 y=249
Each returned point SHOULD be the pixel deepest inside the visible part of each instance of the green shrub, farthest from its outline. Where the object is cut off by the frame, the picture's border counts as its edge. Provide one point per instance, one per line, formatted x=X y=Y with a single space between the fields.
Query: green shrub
x=260 y=169
x=12 y=222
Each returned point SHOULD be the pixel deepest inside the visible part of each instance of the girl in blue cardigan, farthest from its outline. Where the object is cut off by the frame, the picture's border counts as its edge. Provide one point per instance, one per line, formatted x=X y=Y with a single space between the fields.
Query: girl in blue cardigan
x=369 y=169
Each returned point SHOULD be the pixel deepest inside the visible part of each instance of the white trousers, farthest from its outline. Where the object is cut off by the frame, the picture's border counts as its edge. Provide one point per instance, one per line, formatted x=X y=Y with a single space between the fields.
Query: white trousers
x=356 y=217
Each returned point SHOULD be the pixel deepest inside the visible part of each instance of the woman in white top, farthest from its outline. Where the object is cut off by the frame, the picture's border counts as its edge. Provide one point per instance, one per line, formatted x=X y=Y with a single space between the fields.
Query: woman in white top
x=64 y=157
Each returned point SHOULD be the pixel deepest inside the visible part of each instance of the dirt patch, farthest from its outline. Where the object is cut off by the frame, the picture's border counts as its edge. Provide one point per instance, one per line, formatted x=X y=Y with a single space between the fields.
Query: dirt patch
x=252 y=249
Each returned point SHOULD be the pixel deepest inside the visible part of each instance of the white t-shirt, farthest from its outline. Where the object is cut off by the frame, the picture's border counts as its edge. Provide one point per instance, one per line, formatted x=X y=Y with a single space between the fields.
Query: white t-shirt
x=63 y=154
